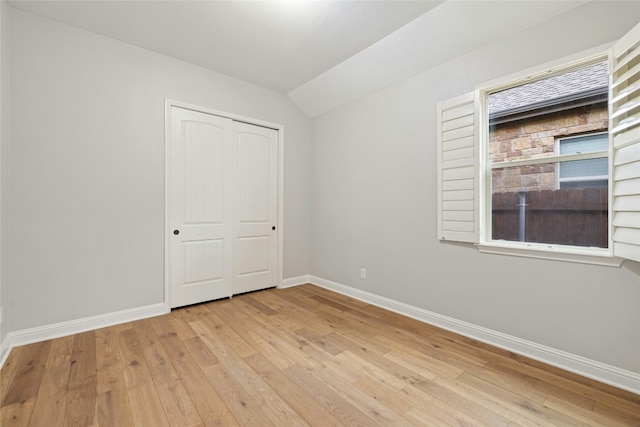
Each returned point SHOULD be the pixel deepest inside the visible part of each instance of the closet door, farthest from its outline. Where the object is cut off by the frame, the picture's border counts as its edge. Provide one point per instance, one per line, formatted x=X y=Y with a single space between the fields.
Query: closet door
x=200 y=207
x=222 y=207
x=255 y=186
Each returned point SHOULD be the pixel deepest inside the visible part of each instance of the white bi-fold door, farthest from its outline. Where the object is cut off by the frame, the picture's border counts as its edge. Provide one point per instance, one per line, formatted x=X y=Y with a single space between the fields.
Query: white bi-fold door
x=222 y=207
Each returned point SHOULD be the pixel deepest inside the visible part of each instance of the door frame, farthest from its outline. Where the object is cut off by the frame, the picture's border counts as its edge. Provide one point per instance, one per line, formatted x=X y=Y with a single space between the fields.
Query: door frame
x=169 y=103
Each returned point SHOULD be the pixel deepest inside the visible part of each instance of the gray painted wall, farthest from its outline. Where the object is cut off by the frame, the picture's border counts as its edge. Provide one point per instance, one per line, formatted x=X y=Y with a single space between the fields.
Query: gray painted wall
x=84 y=189
x=373 y=205
x=4 y=63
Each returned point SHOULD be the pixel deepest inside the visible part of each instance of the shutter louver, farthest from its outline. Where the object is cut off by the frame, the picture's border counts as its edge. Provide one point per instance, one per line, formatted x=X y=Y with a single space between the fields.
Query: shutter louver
x=458 y=215
x=624 y=127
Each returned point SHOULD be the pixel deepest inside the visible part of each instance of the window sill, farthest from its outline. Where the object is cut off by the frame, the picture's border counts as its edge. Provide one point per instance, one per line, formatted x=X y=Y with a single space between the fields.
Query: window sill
x=556 y=253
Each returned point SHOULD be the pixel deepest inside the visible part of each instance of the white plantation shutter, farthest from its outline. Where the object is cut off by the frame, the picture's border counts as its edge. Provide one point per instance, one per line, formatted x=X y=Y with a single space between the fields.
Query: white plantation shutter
x=624 y=127
x=458 y=180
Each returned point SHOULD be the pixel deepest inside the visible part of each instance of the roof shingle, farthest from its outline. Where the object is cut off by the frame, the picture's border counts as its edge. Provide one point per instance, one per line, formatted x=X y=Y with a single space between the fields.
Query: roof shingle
x=585 y=79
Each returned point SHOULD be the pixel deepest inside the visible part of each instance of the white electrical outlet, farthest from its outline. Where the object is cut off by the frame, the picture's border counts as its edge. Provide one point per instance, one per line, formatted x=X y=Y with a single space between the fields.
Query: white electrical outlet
x=363 y=273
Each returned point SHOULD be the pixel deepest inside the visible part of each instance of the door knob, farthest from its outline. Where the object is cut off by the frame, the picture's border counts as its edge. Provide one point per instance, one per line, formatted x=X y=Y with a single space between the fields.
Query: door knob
x=176 y=232
x=273 y=228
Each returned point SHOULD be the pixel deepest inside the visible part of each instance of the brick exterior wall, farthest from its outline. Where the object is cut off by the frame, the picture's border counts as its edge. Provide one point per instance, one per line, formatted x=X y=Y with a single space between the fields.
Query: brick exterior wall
x=527 y=138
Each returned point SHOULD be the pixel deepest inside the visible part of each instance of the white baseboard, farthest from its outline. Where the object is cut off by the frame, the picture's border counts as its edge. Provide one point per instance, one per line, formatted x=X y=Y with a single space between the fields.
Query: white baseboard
x=5 y=348
x=295 y=281
x=4 y=343
x=602 y=372
x=56 y=330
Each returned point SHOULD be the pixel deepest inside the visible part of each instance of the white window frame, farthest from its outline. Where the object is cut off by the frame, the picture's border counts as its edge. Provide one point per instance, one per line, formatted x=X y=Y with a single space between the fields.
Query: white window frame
x=463 y=153
x=591 y=255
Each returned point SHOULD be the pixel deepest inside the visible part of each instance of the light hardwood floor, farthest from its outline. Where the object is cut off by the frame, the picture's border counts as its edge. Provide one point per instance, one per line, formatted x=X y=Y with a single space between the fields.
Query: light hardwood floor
x=297 y=356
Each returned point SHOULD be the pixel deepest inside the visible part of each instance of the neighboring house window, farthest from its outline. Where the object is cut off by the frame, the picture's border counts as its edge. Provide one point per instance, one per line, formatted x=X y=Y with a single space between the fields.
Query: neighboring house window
x=589 y=173
x=547 y=165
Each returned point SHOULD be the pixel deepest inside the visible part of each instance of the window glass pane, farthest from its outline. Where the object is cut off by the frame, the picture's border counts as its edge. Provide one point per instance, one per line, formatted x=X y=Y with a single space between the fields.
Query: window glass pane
x=526 y=121
x=530 y=178
x=555 y=202
x=584 y=168
x=569 y=216
x=584 y=144
x=596 y=183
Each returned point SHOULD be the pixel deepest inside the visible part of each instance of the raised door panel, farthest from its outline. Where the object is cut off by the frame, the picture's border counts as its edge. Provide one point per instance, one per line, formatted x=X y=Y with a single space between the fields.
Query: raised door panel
x=204 y=261
x=254 y=176
x=204 y=178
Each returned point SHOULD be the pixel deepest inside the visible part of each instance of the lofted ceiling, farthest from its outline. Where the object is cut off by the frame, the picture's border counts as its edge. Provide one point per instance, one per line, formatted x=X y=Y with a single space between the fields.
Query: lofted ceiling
x=275 y=44
x=320 y=53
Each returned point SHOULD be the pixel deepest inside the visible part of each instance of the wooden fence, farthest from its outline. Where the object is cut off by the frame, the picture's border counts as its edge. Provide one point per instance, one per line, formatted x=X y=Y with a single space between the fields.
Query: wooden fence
x=577 y=217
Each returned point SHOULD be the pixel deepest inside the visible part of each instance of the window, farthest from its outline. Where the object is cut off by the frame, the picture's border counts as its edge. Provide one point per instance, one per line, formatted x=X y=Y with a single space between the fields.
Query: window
x=547 y=165
x=537 y=143
x=590 y=173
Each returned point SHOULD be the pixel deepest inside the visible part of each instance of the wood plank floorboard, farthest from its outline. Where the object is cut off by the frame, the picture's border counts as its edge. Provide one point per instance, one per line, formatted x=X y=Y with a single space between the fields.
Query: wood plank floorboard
x=301 y=356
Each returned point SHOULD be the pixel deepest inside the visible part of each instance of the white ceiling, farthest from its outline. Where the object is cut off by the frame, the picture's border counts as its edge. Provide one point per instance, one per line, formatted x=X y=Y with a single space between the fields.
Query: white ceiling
x=321 y=53
x=275 y=44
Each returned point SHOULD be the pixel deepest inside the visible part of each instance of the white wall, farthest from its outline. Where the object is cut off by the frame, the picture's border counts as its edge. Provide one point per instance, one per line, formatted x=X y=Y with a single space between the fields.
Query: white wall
x=373 y=205
x=85 y=183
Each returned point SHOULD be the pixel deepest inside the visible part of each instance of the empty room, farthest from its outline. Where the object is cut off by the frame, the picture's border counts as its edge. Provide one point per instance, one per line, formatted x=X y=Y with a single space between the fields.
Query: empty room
x=348 y=213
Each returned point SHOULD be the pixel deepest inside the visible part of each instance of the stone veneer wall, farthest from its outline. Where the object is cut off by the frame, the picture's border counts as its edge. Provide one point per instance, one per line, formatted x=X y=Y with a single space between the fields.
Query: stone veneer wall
x=526 y=138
